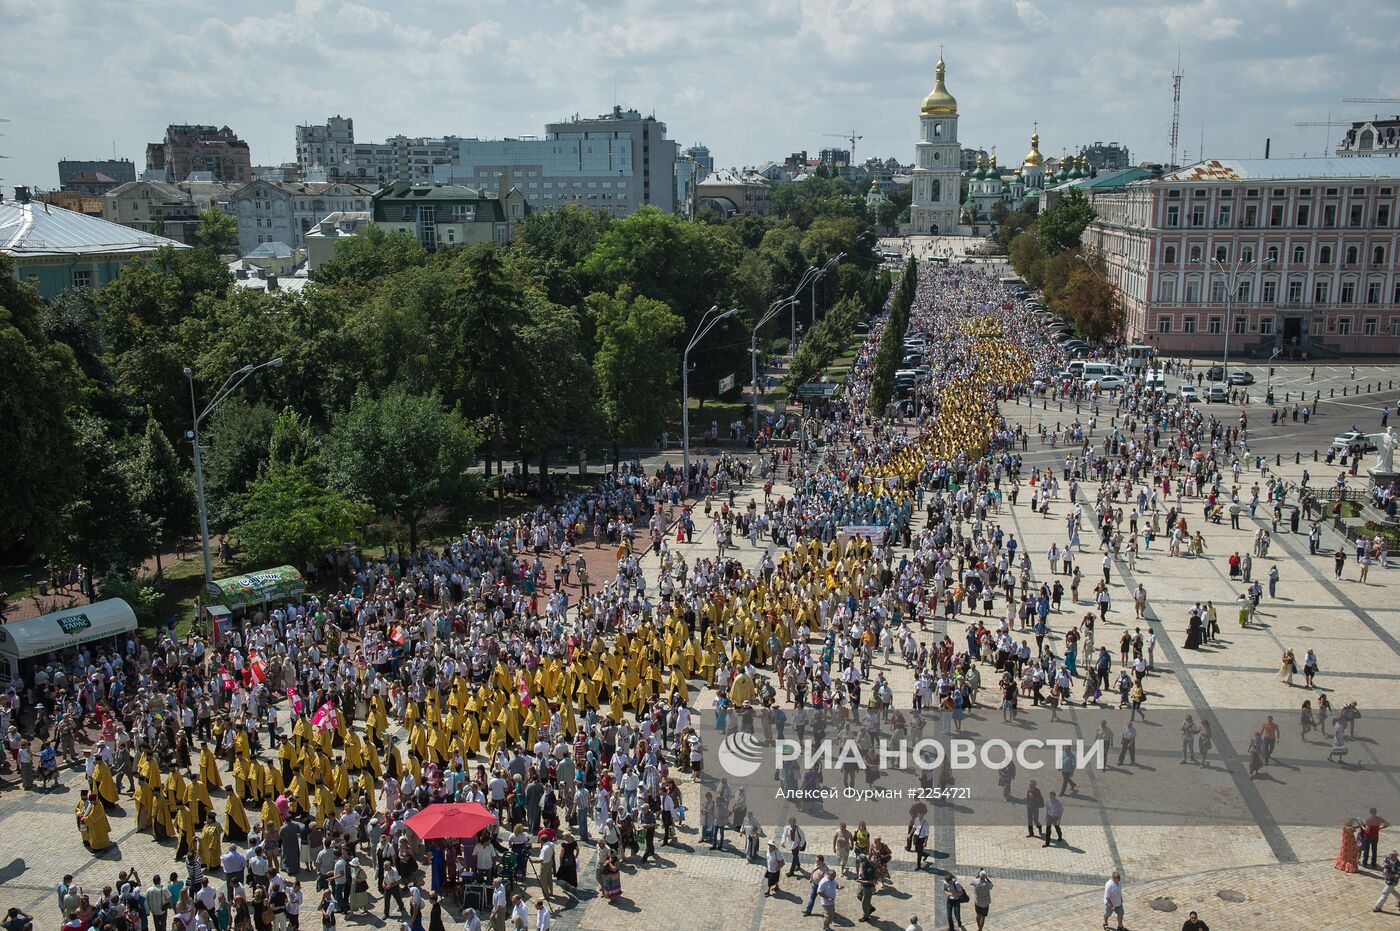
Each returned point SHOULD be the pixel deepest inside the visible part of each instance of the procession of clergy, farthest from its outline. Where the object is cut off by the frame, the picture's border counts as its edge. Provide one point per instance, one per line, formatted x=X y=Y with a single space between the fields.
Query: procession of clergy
x=634 y=663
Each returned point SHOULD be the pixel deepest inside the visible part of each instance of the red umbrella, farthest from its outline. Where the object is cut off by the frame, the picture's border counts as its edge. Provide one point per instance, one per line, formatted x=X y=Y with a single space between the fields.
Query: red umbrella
x=451 y=820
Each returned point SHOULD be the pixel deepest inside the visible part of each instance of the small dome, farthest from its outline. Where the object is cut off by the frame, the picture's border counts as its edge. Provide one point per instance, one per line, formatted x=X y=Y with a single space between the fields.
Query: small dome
x=1033 y=158
x=939 y=102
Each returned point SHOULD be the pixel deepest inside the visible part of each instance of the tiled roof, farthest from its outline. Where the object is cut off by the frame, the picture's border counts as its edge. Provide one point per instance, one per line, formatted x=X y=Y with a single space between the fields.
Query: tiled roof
x=35 y=229
x=1281 y=169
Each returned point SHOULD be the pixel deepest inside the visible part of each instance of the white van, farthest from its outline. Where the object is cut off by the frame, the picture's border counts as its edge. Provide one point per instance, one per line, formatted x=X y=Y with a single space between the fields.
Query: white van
x=1097 y=370
x=1076 y=368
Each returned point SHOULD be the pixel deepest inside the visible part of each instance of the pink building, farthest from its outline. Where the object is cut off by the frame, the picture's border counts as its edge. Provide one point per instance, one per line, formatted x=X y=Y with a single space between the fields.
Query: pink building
x=1304 y=248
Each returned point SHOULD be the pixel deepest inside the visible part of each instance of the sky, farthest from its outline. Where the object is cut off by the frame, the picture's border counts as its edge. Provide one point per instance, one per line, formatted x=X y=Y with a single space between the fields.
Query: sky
x=752 y=79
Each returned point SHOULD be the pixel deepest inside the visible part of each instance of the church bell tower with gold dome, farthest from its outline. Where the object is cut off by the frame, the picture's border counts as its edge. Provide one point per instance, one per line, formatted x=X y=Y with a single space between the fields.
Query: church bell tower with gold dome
x=937 y=163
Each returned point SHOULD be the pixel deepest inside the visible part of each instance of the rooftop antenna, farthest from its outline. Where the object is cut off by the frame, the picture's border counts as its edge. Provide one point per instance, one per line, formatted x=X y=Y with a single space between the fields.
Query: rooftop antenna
x=1176 y=109
x=1202 y=156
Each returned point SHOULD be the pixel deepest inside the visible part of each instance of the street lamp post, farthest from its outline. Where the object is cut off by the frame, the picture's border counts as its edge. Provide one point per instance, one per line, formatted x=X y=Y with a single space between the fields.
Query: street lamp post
x=769 y=314
x=707 y=323
x=830 y=264
x=1232 y=272
x=792 y=323
x=198 y=417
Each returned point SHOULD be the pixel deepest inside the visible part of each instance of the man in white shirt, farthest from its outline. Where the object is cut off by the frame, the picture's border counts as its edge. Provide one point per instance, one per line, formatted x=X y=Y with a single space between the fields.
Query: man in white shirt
x=918 y=832
x=1113 y=900
x=232 y=864
x=158 y=904
x=794 y=841
x=542 y=915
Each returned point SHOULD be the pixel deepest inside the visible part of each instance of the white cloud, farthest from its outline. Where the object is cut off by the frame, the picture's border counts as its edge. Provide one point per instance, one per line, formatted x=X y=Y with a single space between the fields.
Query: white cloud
x=755 y=79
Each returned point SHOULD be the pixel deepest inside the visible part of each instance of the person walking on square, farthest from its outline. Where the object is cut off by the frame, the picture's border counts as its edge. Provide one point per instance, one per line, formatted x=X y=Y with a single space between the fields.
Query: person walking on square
x=1054 y=811
x=1113 y=900
x=1390 y=873
x=1034 y=802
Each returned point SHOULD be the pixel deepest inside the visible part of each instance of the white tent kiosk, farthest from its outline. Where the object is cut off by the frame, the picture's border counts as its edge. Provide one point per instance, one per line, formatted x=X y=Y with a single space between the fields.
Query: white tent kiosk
x=22 y=642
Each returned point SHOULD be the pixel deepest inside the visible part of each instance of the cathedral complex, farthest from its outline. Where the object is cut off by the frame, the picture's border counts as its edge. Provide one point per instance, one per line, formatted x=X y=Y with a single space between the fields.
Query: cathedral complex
x=940 y=206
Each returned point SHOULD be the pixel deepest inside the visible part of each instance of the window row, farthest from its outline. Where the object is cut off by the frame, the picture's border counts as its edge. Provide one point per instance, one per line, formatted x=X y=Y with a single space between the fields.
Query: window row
x=1347 y=293
x=1351 y=254
x=1342 y=326
x=1329 y=217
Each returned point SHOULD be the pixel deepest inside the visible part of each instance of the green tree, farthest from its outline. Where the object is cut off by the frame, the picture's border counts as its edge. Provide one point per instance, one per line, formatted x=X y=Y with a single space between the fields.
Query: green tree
x=691 y=267
x=38 y=386
x=635 y=365
x=236 y=438
x=558 y=391
x=1026 y=258
x=486 y=369
x=218 y=232
x=1089 y=300
x=1059 y=227
x=293 y=442
x=402 y=454
x=164 y=491
x=290 y=518
x=103 y=526
x=151 y=315
x=364 y=259
x=71 y=318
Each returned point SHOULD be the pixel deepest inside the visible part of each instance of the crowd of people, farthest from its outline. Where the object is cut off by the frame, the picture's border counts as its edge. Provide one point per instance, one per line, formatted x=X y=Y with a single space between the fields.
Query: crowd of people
x=472 y=673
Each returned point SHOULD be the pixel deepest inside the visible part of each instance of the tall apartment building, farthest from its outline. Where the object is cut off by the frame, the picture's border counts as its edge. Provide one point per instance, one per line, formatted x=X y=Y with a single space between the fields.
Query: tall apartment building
x=120 y=170
x=616 y=162
x=194 y=148
x=1298 y=253
x=326 y=145
x=700 y=154
x=1107 y=156
x=328 y=151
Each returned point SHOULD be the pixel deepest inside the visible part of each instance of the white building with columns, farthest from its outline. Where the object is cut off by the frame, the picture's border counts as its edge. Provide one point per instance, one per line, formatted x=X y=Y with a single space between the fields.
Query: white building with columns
x=937 y=165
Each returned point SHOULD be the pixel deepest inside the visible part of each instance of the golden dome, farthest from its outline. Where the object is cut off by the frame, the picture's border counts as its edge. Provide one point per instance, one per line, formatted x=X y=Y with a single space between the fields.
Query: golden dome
x=1033 y=158
x=939 y=102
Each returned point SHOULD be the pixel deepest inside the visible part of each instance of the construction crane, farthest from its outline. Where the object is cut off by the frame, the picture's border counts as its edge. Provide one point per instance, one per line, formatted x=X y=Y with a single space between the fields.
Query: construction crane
x=1371 y=100
x=850 y=137
x=1328 y=124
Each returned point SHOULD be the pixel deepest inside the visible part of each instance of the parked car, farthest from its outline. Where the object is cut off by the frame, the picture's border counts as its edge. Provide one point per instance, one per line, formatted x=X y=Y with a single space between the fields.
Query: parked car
x=1241 y=377
x=1188 y=393
x=1217 y=394
x=1215 y=373
x=1108 y=382
x=1353 y=440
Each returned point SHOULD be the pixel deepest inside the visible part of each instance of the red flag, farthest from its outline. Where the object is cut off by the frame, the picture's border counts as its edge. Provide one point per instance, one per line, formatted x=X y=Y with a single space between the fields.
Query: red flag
x=398 y=635
x=257 y=669
x=295 y=700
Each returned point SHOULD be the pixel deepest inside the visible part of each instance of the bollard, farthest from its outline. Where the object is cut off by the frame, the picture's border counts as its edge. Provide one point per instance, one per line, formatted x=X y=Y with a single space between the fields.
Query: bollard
x=1278 y=460
x=1062 y=405
x=1297 y=458
x=1314 y=455
x=1285 y=397
x=1331 y=392
x=1344 y=390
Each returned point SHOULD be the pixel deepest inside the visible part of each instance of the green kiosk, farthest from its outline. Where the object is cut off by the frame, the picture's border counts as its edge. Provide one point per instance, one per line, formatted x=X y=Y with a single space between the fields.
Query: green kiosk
x=230 y=600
